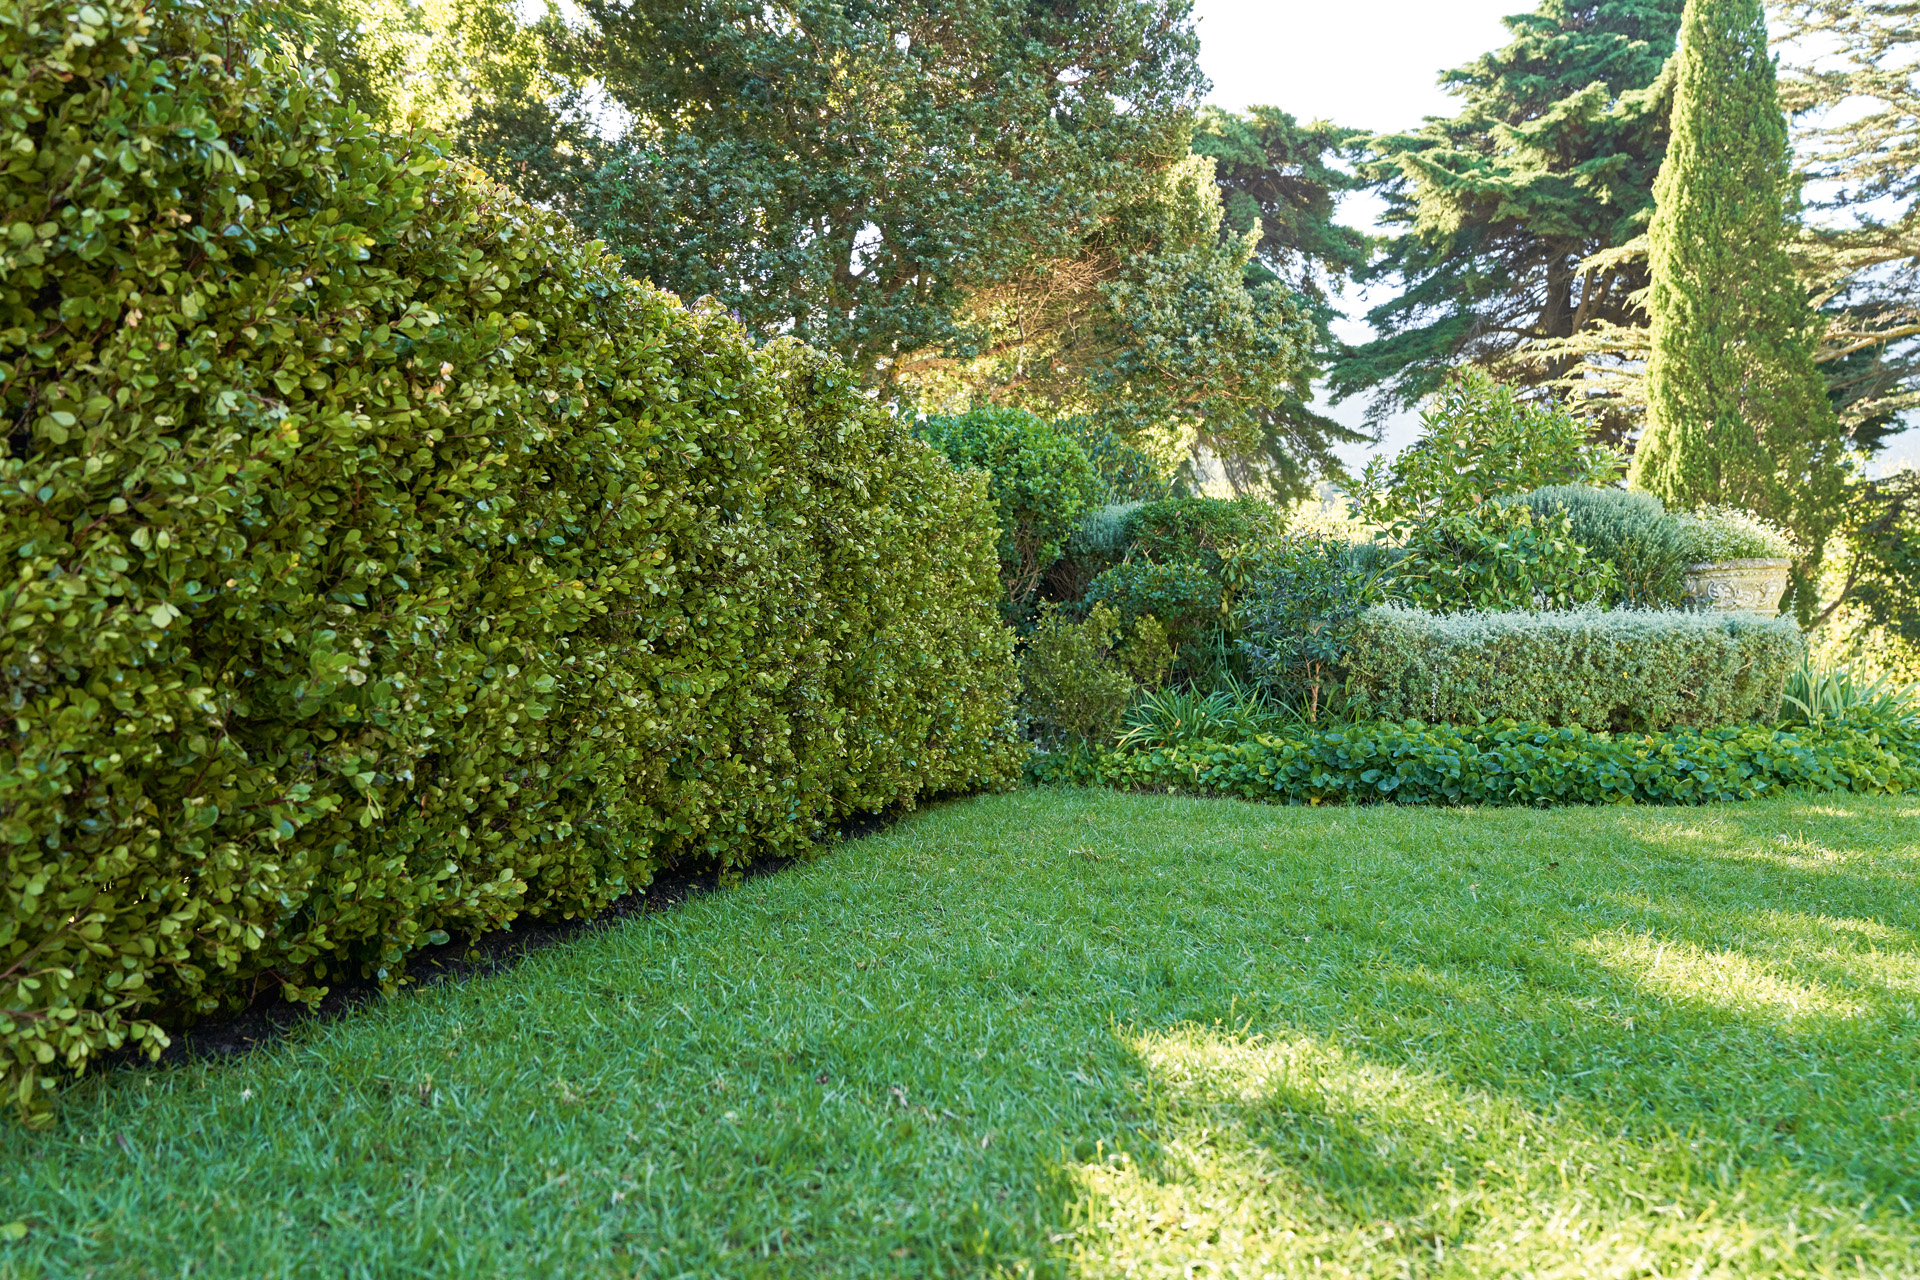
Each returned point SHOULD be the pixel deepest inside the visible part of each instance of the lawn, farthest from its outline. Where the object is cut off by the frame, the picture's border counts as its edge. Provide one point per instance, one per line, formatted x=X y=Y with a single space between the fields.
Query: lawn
x=1095 y=1034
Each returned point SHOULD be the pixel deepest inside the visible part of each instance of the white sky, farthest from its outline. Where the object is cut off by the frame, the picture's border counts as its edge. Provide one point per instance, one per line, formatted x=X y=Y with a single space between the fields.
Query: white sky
x=1370 y=64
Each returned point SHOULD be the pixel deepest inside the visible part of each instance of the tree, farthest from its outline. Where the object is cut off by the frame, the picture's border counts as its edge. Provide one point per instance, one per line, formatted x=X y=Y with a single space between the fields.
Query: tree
x=1150 y=327
x=1550 y=162
x=844 y=172
x=1737 y=413
x=1281 y=178
x=409 y=64
x=1859 y=110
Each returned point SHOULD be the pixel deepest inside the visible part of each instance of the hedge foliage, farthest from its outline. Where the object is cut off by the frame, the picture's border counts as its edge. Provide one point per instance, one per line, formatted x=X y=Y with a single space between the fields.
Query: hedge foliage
x=384 y=564
x=1616 y=670
x=1511 y=764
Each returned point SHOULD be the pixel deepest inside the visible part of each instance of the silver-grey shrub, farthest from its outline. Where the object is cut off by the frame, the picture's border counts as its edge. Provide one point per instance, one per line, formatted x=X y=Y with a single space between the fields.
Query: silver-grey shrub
x=1620 y=670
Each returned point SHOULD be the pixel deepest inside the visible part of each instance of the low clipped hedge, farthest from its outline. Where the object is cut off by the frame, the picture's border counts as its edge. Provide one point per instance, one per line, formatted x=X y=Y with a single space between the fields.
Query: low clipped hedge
x=1512 y=764
x=383 y=564
x=1611 y=670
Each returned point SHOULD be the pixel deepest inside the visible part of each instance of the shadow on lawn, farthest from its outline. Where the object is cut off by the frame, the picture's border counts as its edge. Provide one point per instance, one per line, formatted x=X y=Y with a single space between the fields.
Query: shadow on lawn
x=1692 y=1090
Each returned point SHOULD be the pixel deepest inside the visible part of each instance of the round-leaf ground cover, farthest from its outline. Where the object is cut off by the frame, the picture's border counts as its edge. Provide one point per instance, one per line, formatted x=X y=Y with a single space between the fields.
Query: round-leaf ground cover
x=1095 y=1034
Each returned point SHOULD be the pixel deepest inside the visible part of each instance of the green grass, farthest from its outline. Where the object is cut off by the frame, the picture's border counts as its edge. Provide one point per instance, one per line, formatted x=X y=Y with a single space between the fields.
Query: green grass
x=1095 y=1034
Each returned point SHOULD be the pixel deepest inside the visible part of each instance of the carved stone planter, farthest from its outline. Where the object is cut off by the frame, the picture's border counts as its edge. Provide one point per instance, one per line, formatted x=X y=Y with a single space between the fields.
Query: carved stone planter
x=1746 y=586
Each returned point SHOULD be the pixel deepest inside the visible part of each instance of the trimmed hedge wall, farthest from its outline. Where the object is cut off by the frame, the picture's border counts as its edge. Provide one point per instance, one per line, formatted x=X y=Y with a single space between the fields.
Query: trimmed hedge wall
x=1511 y=764
x=384 y=564
x=1627 y=669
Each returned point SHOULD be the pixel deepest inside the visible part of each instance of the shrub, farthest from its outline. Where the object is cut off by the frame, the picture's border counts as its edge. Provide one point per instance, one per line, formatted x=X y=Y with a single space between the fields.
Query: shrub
x=1625 y=669
x=1509 y=764
x=1297 y=618
x=1478 y=440
x=1499 y=557
x=1202 y=531
x=1079 y=677
x=385 y=564
x=1722 y=533
x=1630 y=530
x=1039 y=477
x=1187 y=600
x=1098 y=542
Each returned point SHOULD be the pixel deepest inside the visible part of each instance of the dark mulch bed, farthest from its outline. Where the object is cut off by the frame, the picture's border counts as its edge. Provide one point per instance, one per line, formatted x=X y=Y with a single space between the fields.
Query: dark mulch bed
x=269 y=1019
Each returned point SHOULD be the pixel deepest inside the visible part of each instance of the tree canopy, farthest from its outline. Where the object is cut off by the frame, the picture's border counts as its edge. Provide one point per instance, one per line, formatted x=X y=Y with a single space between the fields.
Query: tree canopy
x=844 y=172
x=1549 y=162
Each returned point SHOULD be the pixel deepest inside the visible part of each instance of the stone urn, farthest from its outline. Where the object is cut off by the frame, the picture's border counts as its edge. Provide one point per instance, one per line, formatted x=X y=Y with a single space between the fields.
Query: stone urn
x=1746 y=586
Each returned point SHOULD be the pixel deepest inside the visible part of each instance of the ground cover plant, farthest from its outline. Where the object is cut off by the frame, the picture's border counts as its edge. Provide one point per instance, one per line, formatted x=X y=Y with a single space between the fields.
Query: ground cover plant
x=1086 y=1033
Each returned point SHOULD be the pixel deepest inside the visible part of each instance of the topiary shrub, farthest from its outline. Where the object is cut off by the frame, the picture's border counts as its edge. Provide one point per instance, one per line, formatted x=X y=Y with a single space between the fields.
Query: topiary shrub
x=1628 y=669
x=1038 y=476
x=1630 y=530
x=384 y=564
x=1202 y=531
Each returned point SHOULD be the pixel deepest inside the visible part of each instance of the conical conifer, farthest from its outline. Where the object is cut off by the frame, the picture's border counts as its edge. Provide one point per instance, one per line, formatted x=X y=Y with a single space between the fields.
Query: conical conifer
x=1738 y=413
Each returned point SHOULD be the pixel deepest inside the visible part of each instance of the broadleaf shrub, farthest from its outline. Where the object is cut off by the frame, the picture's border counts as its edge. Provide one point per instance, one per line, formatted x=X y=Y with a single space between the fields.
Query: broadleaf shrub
x=385 y=564
x=1479 y=439
x=1509 y=764
x=1306 y=596
x=1626 y=669
x=1499 y=557
x=1629 y=530
x=1080 y=677
x=1039 y=477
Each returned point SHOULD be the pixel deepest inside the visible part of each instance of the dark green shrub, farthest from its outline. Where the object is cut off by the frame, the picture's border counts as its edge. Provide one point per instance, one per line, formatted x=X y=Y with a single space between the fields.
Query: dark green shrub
x=1202 y=531
x=1039 y=477
x=1298 y=615
x=1509 y=764
x=1627 y=669
x=384 y=564
x=1080 y=677
x=1186 y=599
x=1630 y=530
x=1499 y=557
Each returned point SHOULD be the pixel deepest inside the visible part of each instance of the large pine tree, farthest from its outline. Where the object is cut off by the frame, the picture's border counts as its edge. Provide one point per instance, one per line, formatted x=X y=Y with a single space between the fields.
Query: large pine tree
x=1550 y=161
x=1737 y=413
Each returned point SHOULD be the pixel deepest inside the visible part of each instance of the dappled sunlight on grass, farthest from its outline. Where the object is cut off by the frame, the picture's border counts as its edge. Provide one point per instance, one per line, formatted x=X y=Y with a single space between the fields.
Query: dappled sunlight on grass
x=1289 y=1156
x=1726 y=980
x=1060 y=1033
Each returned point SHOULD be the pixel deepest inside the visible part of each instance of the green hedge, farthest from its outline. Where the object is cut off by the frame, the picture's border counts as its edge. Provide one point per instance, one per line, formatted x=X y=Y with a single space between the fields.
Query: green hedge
x=384 y=564
x=1509 y=764
x=1625 y=669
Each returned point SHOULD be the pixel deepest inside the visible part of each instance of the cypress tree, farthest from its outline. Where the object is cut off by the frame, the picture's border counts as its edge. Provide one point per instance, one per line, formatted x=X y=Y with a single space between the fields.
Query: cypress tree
x=1738 y=413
